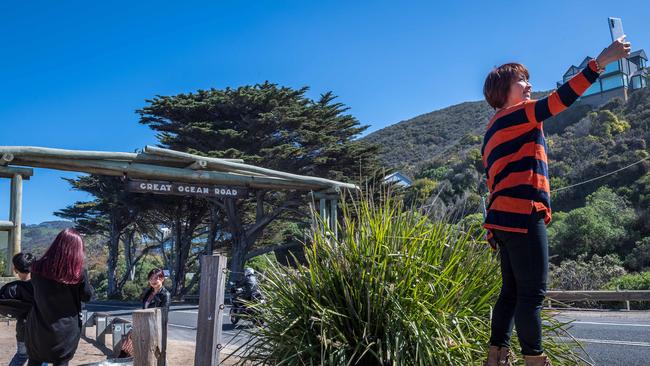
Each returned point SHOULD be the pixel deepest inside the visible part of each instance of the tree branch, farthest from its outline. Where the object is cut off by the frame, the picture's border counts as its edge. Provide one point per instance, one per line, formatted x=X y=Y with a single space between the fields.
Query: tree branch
x=264 y=250
x=264 y=221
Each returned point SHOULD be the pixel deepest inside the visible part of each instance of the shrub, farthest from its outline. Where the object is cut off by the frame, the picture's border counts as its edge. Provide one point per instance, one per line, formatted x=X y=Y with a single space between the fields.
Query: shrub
x=394 y=289
x=639 y=281
x=585 y=274
x=639 y=258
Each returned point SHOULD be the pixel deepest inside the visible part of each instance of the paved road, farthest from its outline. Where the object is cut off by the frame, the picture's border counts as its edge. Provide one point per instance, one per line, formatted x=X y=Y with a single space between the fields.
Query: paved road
x=610 y=338
x=182 y=321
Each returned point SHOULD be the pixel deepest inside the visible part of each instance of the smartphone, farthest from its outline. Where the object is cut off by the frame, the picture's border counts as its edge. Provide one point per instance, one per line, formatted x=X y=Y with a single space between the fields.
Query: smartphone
x=615 y=28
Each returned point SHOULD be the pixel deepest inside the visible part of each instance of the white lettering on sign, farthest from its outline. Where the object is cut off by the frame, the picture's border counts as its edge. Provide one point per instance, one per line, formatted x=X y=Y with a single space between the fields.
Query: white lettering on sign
x=225 y=191
x=185 y=188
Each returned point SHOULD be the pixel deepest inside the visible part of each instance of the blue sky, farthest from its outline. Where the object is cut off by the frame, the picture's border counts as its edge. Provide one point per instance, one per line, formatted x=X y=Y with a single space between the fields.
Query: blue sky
x=73 y=72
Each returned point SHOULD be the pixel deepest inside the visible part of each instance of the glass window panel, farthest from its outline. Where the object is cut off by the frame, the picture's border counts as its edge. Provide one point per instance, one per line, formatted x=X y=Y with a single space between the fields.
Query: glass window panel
x=593 y=89
x=612 y=67
x=612 y=82
x=636 y=82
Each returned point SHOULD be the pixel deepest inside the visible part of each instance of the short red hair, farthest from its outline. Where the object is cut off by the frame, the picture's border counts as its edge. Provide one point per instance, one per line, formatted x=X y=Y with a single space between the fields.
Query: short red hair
x=497 y=83
x=64 y=259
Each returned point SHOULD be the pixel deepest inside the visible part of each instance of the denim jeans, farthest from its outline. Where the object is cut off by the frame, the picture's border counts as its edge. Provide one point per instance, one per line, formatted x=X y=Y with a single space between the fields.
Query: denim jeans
x=20 y=358
x=524 y=271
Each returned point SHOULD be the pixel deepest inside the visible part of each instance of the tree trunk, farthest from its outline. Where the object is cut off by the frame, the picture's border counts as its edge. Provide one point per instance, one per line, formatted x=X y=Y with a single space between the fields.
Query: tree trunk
x=214 y=227
x=243 y=238
x=175 y=253
x=239 y=240
x=113 y=246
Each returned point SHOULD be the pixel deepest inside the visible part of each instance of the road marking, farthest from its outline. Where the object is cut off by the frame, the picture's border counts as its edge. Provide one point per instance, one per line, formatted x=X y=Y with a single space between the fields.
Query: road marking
x=609 y=341
x=181 y=326
x=614 y=324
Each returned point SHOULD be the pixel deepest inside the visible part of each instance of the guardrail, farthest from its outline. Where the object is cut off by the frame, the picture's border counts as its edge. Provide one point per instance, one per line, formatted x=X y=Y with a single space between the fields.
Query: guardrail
x=626 y=296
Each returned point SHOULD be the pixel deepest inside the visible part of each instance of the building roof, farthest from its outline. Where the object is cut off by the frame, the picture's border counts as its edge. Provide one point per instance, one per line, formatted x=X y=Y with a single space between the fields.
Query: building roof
x=398 y=178
x=584 y=62
x=573 y=69
x=639 y=53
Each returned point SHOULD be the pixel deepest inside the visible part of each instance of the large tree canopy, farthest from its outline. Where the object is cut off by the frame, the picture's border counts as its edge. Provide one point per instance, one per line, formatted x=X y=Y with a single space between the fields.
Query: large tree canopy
x=265 y=124
x=271 y=126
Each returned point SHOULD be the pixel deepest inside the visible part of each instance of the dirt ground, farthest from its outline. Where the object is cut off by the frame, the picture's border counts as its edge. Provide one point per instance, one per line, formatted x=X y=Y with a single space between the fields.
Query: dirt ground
x=89 y=351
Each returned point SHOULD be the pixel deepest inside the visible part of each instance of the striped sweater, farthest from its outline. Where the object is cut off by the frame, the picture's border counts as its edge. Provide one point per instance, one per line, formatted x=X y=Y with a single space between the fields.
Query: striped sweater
x=514 y=156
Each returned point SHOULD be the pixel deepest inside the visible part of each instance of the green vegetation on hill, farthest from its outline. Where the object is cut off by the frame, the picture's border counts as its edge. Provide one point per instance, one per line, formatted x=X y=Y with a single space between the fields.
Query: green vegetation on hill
x=407 y=144
x=604 y=217
x=37 y=238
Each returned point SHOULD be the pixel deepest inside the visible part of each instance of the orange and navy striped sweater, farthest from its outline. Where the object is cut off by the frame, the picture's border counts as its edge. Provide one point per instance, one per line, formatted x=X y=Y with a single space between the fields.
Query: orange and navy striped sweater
x=514 y=156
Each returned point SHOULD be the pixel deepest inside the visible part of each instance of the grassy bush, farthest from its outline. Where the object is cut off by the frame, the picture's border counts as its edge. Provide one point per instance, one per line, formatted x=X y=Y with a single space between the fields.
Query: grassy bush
x=585 y=273
x=395 y=289
x=638 y=281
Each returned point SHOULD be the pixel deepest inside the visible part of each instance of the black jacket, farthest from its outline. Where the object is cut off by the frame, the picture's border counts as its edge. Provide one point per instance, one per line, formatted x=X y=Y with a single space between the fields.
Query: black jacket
x=21 y=291
x=54 y=324
x=160 y=300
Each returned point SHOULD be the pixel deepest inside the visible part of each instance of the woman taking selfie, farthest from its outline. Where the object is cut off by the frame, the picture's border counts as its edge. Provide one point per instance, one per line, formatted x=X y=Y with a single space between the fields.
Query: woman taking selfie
x=519 y=207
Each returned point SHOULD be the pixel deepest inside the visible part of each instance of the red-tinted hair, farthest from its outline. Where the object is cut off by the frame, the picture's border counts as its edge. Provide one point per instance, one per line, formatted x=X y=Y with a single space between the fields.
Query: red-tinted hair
x=156 y=273
x=64 y=259
x=497 y=84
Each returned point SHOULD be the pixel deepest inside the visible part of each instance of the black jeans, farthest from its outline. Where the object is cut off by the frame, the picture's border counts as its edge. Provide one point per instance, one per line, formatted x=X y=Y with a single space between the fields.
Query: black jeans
x=524 y=270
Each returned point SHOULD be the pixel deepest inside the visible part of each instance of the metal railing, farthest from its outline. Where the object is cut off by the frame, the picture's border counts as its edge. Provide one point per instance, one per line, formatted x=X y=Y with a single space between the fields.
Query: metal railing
x=626 y=296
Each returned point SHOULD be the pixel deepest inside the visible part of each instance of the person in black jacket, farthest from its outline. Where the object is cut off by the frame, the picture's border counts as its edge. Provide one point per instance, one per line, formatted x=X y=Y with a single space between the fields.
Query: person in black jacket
x=60 y=285
x=156 y=296
x=22 y=291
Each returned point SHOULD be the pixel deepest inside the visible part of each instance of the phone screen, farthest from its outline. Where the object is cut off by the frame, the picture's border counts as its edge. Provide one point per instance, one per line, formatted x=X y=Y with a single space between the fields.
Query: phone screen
x=615 y=28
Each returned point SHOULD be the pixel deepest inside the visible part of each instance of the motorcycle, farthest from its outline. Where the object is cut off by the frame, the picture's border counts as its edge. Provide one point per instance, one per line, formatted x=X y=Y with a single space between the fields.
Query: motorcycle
x=239 y=308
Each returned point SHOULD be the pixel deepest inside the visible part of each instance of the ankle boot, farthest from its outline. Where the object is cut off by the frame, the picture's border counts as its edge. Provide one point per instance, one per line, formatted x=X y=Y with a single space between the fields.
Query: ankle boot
x=499 y=356
x=540 y=360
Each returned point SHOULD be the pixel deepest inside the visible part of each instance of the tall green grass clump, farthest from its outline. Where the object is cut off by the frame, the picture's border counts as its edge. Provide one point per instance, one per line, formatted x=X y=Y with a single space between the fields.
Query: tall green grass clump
x=393 y=289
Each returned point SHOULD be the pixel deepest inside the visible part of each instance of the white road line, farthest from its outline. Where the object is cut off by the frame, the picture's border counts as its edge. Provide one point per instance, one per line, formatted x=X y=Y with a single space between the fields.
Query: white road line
x=620 y=343
x=614 y=324
x=181 y=326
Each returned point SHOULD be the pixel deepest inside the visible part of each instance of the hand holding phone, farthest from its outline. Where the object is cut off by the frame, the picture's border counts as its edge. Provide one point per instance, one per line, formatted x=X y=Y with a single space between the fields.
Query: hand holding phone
x=615 y=28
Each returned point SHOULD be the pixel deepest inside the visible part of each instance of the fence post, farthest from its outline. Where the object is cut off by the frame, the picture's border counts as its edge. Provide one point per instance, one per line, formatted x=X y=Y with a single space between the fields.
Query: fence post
x=147 y=337
x=211 y=309
x=101 y=324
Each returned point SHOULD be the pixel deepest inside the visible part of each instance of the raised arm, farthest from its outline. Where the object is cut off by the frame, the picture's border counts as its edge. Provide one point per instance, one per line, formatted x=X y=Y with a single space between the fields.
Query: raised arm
x=567 y=94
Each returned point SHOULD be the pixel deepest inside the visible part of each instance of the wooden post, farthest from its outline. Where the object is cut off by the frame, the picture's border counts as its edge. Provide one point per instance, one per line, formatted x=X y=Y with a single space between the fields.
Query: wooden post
x=211 y=310
x=101 y=323
x=323 y=210
x=334 y=217
x=16 y=213
x=147 y=337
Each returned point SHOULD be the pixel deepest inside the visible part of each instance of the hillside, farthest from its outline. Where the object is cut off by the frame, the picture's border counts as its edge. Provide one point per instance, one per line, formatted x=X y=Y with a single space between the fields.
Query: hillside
x=596 y=214
x=37 y=237
x=411 y=143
